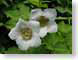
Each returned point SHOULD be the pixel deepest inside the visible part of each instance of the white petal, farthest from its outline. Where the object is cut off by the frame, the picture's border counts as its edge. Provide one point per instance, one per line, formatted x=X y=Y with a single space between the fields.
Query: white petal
x=21 y=24
x=50 y=13
x=43 y=32
x=35 y=14
x=22 y=45
x=52 y=27
x=25 y=45
x=35 y=41
x=35 y=26
x=13 y=34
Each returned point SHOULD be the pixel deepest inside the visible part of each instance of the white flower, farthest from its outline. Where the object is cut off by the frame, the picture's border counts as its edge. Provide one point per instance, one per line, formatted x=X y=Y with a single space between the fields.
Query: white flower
x=26 y=34
x=46 y=18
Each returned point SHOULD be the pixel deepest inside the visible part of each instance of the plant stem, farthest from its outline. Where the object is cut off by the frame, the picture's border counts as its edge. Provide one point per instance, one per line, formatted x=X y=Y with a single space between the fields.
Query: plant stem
x=64 y=18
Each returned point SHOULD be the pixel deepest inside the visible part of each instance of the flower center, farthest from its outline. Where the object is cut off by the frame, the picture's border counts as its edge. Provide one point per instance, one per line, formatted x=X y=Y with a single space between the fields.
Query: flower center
x=26 y=33
x=43 y=21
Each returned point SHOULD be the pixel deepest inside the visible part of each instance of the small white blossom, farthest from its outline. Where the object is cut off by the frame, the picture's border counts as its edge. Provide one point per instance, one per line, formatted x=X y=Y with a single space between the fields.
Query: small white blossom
x=26 y=34
x=46 y=18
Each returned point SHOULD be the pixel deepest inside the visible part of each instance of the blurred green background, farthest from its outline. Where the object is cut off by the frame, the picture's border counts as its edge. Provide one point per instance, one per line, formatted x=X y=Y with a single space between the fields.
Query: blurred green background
x=54 y=43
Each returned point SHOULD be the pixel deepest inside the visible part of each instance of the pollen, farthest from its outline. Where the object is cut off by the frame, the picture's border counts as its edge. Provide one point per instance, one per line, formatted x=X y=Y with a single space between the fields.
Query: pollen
x=26 y=33
x=43 y=21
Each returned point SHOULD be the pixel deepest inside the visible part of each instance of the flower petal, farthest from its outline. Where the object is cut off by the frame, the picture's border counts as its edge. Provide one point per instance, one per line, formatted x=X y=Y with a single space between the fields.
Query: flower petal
x=13 y=34
x=35 y=25
x=52 y=27
x=43 y=32
x=22 y=45
x=21 y=24
x=50 y=13
x=25 y=45
x=35 y=41
x=35 y=13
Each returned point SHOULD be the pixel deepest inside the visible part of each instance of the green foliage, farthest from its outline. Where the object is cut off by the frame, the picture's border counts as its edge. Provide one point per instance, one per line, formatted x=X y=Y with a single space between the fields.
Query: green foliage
x=38 y=50
x=4 y=2
x=12 y=51
x=64 y=6
x=1 y=1
x=35 y=2
x=64 y=28
x=38 y=3
x=60 y=42
x=20 y=11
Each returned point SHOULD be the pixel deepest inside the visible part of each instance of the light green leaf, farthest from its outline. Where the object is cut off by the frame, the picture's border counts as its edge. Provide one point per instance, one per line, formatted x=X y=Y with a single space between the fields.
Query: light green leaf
x=64 y=27
x=61 y=9
x=15 y=14
x=38 y=3
x=13 y=51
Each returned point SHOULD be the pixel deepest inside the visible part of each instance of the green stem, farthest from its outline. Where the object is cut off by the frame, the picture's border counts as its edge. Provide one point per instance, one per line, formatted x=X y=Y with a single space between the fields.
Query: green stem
x=64 y=18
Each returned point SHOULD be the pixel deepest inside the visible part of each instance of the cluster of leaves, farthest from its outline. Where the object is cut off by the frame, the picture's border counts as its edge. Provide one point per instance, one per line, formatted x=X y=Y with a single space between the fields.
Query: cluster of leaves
x=53 y=43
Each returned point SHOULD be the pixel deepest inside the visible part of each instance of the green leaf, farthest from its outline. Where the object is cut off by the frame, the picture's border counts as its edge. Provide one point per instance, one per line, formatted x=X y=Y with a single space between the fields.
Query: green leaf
x=56 y=43
x=64 y=27
x=44 y=5
x=15 y=14
x=38 y=3
x=68 y=40
x=61 y=9
x=23 y=11
x=13 y=51
x=35 y=2
x=1 y=1
x=38 y=50
x=60 y=42
x=64 y=6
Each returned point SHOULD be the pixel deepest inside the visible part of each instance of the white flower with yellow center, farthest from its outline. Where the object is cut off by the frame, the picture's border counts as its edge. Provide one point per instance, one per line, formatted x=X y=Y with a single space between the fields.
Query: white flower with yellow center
x=46 y=18
x=26 y=34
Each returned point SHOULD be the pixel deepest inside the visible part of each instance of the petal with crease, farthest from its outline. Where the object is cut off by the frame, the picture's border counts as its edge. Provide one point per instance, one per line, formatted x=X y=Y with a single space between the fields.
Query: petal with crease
x=35 y=41
x=21 y=24
x=25 y=45
x=35 y=26
x=50 y=13
x=35 y=13
x=52 y=27
x=13 y=34
x=43 y=32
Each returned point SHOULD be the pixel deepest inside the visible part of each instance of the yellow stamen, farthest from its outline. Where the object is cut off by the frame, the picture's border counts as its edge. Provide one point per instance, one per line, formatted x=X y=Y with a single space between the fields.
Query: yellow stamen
x=26 y=33
x=43 y=21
